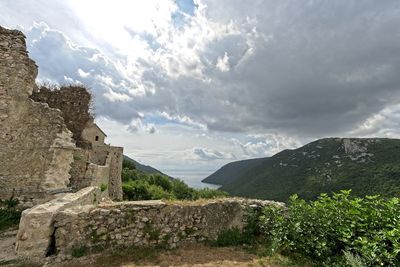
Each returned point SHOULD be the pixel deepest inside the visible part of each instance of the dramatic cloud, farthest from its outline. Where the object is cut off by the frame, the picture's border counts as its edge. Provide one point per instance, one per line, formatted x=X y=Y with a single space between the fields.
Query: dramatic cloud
x=230 y=78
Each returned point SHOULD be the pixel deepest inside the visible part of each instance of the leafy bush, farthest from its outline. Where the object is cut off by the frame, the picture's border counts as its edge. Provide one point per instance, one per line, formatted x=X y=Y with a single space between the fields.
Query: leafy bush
x=80 y=251
x=103 y=187
x=337 y=229
x=9 y=214
x=161 y=180
x=230 y=237
x=182 y=190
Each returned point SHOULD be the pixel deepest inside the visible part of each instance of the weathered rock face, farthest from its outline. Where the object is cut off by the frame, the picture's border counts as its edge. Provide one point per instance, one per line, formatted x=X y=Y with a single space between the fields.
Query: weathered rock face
x=148 y=223
x=36 y=228
x=36 y=146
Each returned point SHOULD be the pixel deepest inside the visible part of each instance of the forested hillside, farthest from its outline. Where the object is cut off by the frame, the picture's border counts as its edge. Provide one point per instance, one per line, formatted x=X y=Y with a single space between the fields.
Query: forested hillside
x=367 y=166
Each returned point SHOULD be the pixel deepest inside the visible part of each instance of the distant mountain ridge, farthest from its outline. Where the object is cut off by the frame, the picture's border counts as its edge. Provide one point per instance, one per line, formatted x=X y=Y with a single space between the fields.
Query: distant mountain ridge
x=232 y=171
x=142 y=167
x=367 y=166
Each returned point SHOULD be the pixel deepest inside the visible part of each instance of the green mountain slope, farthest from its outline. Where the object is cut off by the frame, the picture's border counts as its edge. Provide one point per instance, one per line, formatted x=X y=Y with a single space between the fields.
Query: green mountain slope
x=367 y=166
x=143 y=168
x=232 y=171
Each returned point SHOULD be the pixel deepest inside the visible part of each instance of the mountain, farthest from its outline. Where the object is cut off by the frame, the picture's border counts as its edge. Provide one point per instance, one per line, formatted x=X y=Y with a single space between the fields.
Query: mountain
x=143 y=168
x=367 y=166
x=230 y=172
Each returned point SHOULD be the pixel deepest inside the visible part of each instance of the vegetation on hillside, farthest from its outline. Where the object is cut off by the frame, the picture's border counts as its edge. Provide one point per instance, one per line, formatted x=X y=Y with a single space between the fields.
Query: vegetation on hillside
x=367 y=166
x=138 y=185
x=232 y=171
x=142 y=167
x=341 y=230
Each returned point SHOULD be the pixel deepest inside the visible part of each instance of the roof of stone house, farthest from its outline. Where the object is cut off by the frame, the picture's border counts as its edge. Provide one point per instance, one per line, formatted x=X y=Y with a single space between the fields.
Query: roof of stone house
x=99 y=129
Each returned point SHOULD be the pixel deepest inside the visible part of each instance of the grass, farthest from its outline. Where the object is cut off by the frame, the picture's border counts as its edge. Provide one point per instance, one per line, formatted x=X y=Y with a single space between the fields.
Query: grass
x=80 y=251
x=229 y=237
x=119 y=256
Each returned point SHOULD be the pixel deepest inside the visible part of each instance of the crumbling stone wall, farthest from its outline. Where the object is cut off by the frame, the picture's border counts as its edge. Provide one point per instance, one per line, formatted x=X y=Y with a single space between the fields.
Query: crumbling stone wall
x=100 y=165
x=148 y=223
x=75 y=105
x=114 y=157
x=94 y=158
x=35 y=236
x=35 y=145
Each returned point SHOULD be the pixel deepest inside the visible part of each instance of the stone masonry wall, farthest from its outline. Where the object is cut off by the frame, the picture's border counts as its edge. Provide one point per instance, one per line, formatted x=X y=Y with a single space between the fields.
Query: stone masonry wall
x=115 y=181
x=74 y=102
x=148 y=223
x=35 y=236
x=100 y=165
x=35 y=145
x=113 y=158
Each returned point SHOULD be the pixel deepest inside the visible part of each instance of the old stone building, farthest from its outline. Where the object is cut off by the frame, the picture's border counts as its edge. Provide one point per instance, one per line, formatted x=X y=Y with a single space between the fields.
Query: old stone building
x=46 y=145
x=94 y=134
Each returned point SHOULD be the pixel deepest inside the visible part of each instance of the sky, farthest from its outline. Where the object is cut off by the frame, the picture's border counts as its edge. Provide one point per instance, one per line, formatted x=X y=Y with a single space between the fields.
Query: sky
x=187 y=86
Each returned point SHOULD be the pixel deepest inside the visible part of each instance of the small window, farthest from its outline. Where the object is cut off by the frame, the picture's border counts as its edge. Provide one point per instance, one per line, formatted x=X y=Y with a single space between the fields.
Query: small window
x=97 y=138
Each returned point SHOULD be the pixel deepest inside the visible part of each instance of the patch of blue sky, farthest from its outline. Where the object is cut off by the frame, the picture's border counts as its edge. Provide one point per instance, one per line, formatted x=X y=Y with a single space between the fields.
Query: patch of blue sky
x=158 y=120
x=186 y=8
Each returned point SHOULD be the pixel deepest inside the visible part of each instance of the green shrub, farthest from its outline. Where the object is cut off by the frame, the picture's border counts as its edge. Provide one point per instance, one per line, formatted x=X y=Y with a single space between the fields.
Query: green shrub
x=80 y=251
x=10 y=215
x=366 y=228
x=161 y=180
x=249 y=235
x=136 y=190
x=77 y=157
x=142 y=190
x=143 y=186
x=157 y=192
x=229 y=237
x=129 y=175
x=182 y=190
x=103 y=187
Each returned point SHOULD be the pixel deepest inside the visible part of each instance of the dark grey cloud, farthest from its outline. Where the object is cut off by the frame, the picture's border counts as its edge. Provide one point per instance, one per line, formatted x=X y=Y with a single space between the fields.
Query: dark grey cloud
x=324 y=67
x=305 y=68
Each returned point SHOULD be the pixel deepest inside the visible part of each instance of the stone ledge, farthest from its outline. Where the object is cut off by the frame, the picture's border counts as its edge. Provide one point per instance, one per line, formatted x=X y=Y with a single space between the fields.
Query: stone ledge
x=36 y=227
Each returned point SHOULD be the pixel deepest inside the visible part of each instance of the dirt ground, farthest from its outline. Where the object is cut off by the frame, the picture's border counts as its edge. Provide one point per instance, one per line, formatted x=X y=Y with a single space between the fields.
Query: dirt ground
x=199 y=255
x=7 y=242
x=192 y=255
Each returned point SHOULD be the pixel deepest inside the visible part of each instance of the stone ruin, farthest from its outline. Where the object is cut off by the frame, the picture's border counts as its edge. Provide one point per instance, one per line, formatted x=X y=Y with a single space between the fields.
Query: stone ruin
x=49 y=145
x=48 y=139
x=55 y=162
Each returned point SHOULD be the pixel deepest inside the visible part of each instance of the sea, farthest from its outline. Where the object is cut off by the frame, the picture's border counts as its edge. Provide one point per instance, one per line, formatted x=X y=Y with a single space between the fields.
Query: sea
x=192 y=177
